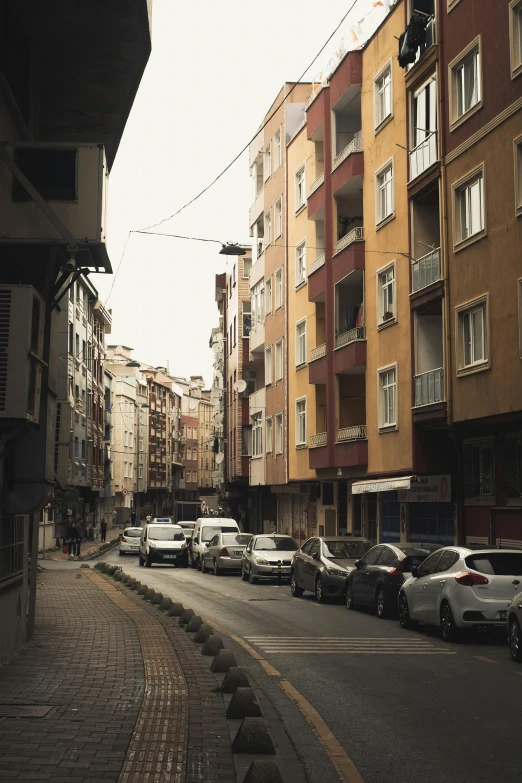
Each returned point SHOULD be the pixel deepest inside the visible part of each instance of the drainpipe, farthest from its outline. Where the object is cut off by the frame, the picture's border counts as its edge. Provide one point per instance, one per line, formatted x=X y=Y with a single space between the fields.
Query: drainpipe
x=285 y=375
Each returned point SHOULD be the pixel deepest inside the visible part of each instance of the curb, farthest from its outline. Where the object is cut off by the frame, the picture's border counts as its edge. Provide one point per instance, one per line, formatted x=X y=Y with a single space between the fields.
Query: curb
x=99 y=550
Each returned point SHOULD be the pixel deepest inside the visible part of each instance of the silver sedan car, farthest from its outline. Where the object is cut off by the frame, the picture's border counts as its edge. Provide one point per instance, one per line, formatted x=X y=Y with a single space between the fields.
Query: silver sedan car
x=514 y=624
x=224 y=552
x=268 y=557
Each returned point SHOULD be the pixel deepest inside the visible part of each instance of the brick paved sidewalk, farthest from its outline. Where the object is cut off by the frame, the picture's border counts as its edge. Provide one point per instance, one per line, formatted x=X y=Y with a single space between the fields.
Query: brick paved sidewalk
x=100 y=659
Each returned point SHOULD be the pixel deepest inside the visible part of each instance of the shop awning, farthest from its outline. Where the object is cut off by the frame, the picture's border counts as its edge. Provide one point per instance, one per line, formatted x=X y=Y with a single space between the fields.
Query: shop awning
x=381 y=485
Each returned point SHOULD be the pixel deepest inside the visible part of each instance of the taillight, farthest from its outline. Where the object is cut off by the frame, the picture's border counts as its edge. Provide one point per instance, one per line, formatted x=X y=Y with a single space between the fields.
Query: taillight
x=397 y=571
x=224 y=553
x=124 y=539
x=469 y=579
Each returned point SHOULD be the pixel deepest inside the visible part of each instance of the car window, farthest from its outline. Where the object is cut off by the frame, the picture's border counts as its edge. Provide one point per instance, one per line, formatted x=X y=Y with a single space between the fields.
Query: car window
x=499 y=563
x=305 y=549
x=315 y=548
x=164 y=534
x=448 y=559
x=429 y=566
x=240 y=539
x=388 y=558
x=280 y=543
x=345 y=549
x=373 y=555
x=132 y=532
x=213 y=541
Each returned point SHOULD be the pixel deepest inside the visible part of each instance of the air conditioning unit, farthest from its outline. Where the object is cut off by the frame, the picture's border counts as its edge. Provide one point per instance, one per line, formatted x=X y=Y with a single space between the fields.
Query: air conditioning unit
x=72 y=179
x=22 y=320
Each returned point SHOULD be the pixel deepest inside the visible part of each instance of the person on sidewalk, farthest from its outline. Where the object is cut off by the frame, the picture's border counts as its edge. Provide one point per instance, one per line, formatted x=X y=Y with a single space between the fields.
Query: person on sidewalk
x=103 y=529
x=72 y=538
x=80 y=537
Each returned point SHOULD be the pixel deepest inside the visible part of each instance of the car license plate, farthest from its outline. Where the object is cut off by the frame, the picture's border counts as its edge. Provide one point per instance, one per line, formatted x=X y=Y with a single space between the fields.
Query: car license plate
x=502 y=614
x=284 y=570
x=170 y=557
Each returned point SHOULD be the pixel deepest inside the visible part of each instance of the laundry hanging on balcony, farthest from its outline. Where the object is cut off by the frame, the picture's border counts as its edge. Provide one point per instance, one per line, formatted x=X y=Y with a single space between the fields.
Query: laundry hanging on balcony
x=412 y=38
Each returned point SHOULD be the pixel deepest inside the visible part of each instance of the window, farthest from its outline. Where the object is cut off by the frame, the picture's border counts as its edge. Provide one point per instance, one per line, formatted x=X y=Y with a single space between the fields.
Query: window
x=300 y=264
x=131 y=469
x=257 y=303
x=386 y=295
x=268 y=366
x=279 y=360
x=268 y=162
x=257 y=434
x=77 y=346
x=278 y=218
x=469 y=213
x=472 y=335
x=384 y=194
x=513 y=466
x=140 y=471
x=247 y=318
x=479 y=470
x=300 y=343
x=388 y=397
x=71 y=338
x=234 y=275
x=247 y=266
x=125 y=470
x=12 y=546
x=268 y=296
x=300 y=422
x=465 y=83
x=300 y=185
x=515 y=28
x=268 y=228
x=279 y=433
x=277 y=149
x=518 y=176
x=235 y=329
x=382 y=88
x=279 y=288
x=269 y=435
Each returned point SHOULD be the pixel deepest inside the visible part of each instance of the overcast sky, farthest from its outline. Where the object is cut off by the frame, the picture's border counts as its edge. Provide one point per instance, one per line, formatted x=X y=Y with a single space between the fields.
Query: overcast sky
x=214 y=70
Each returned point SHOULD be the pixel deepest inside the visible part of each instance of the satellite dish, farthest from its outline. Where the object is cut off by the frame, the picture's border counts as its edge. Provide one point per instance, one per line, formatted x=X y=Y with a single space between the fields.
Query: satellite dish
x=219 y=458
x=241 y=385
x=192 y=406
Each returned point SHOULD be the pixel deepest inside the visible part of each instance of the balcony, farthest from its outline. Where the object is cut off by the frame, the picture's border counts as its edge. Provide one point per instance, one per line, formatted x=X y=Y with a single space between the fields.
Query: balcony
x=426 y=270
x=257 y=337
x=346 y=434
x=317 y=264
x=424 y=155
x=316 y=184
x=257 y=208
x=350 y=336
x=429 y=387
x=318 y=353
x=317 y=279
x=317 y=365
x=321 y=439
x=355 y=235
x=257 y=402
x=356 y=145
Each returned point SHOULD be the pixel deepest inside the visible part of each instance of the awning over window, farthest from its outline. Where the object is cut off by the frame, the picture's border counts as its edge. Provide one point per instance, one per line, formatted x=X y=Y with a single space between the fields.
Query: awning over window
x=381 y=485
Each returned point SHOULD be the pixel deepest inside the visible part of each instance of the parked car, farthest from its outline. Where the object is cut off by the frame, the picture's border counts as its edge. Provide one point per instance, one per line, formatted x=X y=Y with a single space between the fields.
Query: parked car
x=322 y=565
x=188 y=528
x=268 y=557
x=224 y=552
x=458 y=588
x=163 y=543
x=514 y=624
x=161 y=520
x=130 y=541
x=377 y=577
x=205 y=529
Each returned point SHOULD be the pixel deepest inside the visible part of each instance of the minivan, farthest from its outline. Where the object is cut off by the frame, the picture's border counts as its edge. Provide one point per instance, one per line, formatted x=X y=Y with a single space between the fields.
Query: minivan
x=205 y=529
x=162 y=543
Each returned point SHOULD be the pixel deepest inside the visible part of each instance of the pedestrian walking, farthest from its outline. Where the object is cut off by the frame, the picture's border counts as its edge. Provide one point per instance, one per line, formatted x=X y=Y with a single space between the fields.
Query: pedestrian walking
x=95 y=532
x=72 y=538
x=79 y=538
x=103 y=529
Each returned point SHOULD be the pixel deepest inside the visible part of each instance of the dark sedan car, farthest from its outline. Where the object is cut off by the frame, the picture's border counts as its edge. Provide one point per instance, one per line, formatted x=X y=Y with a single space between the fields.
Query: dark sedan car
x=322 y=565
x=378 y=576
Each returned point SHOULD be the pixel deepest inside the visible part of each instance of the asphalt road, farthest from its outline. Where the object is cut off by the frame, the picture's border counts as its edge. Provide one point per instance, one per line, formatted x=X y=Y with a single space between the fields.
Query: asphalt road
x=404 y=705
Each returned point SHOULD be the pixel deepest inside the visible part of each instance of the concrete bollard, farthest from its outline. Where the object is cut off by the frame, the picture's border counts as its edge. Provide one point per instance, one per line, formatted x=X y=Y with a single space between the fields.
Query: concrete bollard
x=194 y=624
x=176 y=610
x=157 y=599
x=85 y=565
x=223 y=661
x=142 y=589
x=131 y=584
x=149 y=595
x=253 y=737
x=212 y=646
x=204 y=632
x=166 y=603
x=126 y=579
x=263 y=771
x=236 y=677
x=244 y=704
x=185 y=616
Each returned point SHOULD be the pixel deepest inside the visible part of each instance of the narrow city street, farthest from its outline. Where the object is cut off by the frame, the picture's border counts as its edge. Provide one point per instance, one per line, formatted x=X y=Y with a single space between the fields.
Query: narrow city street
x=404 y=705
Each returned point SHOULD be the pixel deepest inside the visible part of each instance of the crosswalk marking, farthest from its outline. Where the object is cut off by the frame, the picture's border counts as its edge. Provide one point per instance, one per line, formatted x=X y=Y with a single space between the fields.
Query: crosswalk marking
x=331 y=645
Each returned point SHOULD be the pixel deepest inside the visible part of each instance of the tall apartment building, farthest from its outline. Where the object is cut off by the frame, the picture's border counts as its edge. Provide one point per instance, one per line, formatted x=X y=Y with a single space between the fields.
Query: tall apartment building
x=217 y=392
x=189 y=457
x=106 y=510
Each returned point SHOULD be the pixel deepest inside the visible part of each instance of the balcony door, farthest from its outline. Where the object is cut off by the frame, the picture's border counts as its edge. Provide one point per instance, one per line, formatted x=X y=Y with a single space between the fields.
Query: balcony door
x=423 y=147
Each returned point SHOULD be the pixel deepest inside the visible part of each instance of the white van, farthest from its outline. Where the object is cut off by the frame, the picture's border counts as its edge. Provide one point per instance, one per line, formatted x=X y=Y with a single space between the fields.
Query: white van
x=206 y=528
x=162 y=543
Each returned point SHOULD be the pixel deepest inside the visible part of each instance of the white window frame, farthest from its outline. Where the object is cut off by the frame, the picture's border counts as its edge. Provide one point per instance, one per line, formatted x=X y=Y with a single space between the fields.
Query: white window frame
x=515 y=37
x=278 y=218
x=278 y=360
x=267 y=162
x=300 y=343
x=131 y=469
x=462 y=192
x=381 y=186
x=472 y=53
x=278 y=158
x=300 y=187
x=385 y=385
x=462 y=312
x=380 y=118
x=140 y=471
x=268 y=296
x=517 y=150
x=278 y=293
x=257 y=297
x=140 y=444
x=257 y=434
x=268 y=435
x=267 y=239
x=384 y=281
x=300 y=264
x=278 y=433
x=268 y=366
x=300 y=422
x=125 y=470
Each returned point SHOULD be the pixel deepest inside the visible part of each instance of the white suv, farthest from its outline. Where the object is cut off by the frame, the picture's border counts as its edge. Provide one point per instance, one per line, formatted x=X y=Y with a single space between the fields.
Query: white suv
x=457 y=588
x=163 y=543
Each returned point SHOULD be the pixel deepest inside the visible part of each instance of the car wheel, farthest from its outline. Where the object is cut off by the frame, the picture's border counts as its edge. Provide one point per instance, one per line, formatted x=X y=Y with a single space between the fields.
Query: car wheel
x=191 y=561
x=121 y=553
x=217 y=569
x=252 y=579
x=515 y=640
x=380 y=604
x=148 y=561
x=184 y=562
x=448 y=629
x=198 y=563
x=319 y=595
x=203 y=566
x=349 y=597
x=244 y=575
x=296 y=591
x=404 y=612
x=140 y=560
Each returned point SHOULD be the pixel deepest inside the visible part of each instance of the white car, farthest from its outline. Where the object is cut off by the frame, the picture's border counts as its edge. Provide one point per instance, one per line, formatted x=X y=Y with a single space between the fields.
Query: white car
x=514 y=624
x=268 y=557
x=161 y=521
x=457 y=588
x=130 y=541
x=204 y=530
x=163 y=543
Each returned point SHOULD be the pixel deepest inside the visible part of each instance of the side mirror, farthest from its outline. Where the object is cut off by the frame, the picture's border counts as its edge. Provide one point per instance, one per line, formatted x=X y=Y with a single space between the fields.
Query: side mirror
x=207 y=544
x=357 y=564
x=415 y=571
x=315 y=556
x=196 y=539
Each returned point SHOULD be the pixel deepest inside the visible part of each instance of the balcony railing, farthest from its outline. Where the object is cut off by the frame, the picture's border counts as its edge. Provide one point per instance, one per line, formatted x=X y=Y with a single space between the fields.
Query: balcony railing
x=423 y=155
x=358 y=432
x=317 y=264
x=429 y=387
x=355 y=145
x=320 y=439
x=316 y=184
x=355 y=235
x=318 y=353
x=426 y=270
x=351 y=336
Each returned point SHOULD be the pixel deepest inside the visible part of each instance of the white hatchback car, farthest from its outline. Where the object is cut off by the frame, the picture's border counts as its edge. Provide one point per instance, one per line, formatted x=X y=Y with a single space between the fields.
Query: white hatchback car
x=457 y=588
x=130 y=541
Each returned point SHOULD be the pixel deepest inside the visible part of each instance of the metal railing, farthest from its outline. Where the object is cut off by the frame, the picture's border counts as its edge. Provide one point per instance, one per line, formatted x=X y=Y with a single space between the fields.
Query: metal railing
x=355 y=145
x=318 y=440
x=357 y=432
x=425 y=270
x=423 y=155
x=317 y=264
x=316 y=184
x=429 y=387
x=351 y=336
x=318 y=353
x=355 y=235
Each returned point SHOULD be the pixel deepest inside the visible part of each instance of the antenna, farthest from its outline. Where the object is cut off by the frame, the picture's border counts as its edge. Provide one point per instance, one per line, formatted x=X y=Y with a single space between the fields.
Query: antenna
x=219 y=458
x=241 y=385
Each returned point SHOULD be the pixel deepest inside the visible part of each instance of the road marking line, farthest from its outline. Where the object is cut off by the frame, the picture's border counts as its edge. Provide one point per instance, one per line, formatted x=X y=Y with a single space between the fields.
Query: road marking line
x=345 y=767
x=483 y=658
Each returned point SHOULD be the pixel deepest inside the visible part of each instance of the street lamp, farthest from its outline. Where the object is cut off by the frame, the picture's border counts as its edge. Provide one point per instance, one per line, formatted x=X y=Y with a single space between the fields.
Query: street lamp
x=231 y=249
